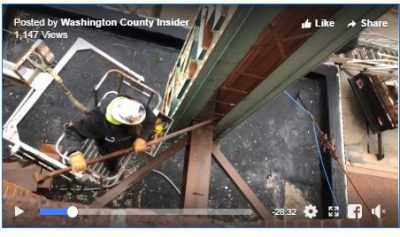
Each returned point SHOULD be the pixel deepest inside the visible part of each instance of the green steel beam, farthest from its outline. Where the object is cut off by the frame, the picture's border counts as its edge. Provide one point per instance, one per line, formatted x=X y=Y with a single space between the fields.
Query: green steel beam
x=318 y=47
x=244 y=28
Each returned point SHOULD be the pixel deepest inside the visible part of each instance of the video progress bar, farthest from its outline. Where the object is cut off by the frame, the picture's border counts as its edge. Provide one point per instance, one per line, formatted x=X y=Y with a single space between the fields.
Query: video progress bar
x=164 y=212
x=74 y=211
x=53 y=211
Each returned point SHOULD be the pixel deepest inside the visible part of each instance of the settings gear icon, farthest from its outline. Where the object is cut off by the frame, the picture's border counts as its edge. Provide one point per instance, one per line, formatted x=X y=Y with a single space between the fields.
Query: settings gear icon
x=310 y=211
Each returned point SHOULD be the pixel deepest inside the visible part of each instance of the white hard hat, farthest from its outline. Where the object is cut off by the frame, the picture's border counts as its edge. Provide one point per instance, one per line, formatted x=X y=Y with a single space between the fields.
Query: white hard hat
x=122 y=110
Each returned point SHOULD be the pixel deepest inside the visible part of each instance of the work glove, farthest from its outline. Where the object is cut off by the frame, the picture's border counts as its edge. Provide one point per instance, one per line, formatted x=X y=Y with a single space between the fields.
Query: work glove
x=78 y=162
x=139 y=145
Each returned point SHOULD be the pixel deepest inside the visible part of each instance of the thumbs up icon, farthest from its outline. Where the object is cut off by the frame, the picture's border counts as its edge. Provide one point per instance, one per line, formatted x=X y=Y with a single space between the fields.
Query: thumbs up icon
x=306 y=24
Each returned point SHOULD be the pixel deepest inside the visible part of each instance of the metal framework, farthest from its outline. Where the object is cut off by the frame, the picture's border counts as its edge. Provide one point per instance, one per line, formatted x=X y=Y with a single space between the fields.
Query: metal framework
x=255 y=54
x=318 y=47
x=139 y=174
x=240 y=183
x=200 y=152
x=240 y=28
x=198 y=168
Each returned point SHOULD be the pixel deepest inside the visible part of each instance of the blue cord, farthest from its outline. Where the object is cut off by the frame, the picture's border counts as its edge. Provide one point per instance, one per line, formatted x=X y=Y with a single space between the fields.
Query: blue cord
x=317 y=144
x=298 y=104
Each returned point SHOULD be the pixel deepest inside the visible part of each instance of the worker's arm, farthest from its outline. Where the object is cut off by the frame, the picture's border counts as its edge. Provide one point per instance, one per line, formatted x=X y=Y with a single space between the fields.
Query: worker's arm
x=88 y=127
x=147 y=126
x=76 y=133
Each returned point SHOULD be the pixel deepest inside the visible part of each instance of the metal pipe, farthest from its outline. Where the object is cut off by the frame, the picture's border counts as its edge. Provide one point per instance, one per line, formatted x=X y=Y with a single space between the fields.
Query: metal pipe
x=381 y=153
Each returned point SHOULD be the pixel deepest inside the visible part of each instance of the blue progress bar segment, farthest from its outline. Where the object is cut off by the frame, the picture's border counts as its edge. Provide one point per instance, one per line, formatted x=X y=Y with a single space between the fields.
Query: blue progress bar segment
x=53 y=211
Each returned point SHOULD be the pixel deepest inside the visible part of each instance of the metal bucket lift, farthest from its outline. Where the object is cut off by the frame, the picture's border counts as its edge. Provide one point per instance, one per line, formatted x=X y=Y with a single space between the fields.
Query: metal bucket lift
x=117 y=81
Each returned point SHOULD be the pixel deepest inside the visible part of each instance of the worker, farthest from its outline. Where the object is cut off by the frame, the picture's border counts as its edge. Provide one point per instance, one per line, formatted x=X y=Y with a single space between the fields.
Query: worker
x=125 y=122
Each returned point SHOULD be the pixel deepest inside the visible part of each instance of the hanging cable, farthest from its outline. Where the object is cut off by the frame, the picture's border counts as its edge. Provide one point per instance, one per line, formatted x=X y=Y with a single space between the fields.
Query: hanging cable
x=330 y=149
x=102 y=188
x=318 y=147
x=41 y=65
x=67 y=91
x=168 y=179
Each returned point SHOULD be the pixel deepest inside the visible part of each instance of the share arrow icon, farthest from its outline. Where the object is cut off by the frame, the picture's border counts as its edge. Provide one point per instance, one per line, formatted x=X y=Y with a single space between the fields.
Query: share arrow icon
x=351 y=24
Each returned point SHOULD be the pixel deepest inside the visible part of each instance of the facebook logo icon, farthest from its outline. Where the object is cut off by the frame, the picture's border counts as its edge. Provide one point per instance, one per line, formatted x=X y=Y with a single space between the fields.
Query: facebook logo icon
x=354 y=211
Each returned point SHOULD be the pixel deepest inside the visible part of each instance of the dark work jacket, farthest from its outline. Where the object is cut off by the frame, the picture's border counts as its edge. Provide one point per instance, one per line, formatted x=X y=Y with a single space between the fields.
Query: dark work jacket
x=95 y=126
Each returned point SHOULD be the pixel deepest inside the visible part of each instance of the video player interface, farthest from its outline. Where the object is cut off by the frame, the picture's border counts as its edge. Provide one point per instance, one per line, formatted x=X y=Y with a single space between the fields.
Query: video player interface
x=200 y=115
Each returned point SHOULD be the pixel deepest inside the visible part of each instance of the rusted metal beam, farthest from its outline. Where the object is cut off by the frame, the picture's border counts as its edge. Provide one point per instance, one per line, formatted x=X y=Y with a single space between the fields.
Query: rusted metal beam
x=20 y=173
x=198 y=168
x=241 y=28
x=139 y=175
x=268 y=52
x=240 y=183
x=14 y=190
x=303 y=55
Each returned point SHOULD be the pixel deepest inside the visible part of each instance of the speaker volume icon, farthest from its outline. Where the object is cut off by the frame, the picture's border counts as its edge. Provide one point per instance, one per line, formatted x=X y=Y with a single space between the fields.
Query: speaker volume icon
x=378 y=211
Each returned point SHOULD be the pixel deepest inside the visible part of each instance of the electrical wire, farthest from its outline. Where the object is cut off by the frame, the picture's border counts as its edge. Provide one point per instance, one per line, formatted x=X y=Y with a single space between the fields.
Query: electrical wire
x=168 y=179
x=318 y=147
x=67 y=91
x=102 y=188
x=334 y=154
